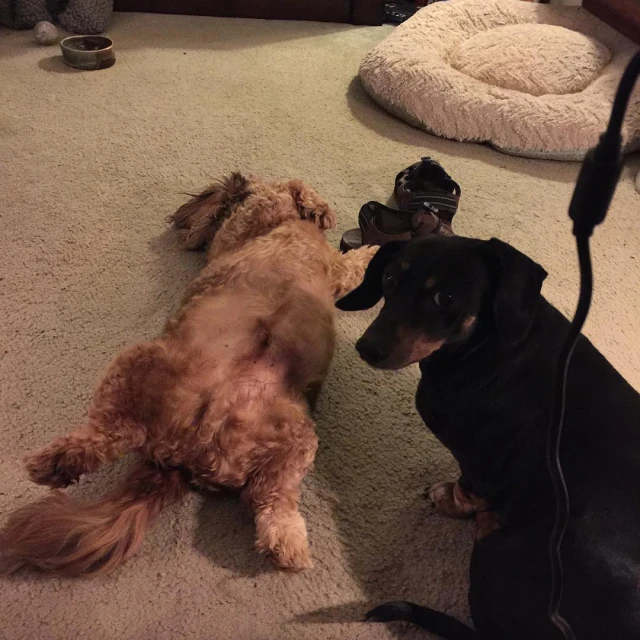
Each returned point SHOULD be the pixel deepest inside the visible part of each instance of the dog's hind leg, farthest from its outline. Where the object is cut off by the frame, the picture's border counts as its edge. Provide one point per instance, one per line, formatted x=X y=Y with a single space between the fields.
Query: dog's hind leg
x=63 y=461
x=273 y=492
x=125 y=403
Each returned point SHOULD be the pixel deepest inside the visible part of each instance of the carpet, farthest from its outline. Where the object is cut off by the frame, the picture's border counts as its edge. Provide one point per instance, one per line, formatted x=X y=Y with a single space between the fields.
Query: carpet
x=92 y=162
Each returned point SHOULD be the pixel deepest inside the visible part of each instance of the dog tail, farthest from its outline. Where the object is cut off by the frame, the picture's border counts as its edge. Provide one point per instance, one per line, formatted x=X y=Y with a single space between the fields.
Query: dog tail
x=434 y=621
x=197 y=221
x=60 y=535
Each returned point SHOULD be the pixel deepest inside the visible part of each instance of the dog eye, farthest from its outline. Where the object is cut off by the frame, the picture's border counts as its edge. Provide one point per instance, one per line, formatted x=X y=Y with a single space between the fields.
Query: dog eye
x=443 y=300
x=388 y=279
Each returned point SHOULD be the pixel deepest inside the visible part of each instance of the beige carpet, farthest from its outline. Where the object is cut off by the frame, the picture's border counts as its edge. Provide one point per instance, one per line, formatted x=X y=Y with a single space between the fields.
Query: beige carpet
x=90 y=163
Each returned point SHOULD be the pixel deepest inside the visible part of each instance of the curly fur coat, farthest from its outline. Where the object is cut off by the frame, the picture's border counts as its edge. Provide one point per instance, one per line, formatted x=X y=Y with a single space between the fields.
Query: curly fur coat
x=218 y=400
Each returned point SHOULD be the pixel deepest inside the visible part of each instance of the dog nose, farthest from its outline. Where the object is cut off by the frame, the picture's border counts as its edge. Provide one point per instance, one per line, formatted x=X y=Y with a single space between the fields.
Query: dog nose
x=369 y=352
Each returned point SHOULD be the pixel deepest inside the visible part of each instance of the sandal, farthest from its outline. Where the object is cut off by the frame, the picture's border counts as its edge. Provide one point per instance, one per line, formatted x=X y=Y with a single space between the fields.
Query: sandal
x=380 y=224
x=427 y=183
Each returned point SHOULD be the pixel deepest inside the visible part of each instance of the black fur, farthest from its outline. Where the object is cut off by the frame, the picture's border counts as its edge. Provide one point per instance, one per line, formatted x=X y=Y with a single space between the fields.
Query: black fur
x=486 y=395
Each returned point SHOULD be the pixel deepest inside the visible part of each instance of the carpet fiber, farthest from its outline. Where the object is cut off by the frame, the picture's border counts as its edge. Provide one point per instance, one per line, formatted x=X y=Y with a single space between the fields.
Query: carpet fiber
x=91 y=163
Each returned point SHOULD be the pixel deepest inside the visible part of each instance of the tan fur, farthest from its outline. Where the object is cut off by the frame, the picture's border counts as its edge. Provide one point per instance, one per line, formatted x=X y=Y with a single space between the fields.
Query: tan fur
x=58 y=534
x=468 y=325
x=411 y=346
x=452 y=500
x=218 y=398
x=430 y=283
x=422 y=347
x=487 y=522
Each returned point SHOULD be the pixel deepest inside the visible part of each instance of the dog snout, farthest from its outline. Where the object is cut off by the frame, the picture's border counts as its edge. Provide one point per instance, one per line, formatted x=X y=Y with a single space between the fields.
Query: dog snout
x=370 y=351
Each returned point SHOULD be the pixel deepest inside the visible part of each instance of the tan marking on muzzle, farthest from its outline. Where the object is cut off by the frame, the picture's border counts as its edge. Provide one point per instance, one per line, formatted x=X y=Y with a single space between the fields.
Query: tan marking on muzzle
x=468 y=324
x=404 y=265
x=423 y=347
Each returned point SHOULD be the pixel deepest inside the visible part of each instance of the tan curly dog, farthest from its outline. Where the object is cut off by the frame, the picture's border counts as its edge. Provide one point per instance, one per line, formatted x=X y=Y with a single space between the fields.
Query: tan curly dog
x=220 y=399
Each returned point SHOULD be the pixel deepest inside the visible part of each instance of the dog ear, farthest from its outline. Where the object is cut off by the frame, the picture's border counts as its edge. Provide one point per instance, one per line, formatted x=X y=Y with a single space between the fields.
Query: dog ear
x=370 y=291
x=519 y=281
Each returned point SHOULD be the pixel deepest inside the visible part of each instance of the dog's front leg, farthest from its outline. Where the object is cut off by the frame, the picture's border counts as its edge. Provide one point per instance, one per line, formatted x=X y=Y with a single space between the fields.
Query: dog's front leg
x=347 y=270
x=450 y=499
x=311 y=205
x=273 y=492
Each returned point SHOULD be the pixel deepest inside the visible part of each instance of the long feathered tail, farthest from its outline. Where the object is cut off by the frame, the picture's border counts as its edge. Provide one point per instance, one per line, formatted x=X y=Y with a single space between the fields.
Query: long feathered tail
x=434 y=621
x=61 y=535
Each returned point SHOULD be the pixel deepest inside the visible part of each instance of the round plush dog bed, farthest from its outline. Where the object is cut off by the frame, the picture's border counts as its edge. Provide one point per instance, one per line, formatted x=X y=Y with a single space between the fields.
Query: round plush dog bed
x=531 y=79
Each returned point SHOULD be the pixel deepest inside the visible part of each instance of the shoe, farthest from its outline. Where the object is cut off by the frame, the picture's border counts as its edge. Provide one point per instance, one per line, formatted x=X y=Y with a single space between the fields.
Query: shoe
x=427 y=183
x=380 y=224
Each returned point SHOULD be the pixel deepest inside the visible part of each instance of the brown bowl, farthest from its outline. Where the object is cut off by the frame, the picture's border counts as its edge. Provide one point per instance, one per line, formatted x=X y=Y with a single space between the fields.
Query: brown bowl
x=88 y=52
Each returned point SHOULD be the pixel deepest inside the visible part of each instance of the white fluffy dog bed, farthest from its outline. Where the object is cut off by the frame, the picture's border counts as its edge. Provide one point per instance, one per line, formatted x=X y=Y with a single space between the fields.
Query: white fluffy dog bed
x=531 y=79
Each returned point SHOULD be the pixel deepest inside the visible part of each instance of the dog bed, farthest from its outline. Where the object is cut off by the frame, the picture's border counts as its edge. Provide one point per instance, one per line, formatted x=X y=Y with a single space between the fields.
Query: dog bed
x=531 y=79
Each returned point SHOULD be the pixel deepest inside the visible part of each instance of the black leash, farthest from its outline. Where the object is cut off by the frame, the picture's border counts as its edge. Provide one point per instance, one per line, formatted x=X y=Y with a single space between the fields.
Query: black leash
x=592 y=196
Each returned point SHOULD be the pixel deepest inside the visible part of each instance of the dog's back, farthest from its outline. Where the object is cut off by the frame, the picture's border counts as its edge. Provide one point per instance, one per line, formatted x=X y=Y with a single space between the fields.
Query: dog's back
x=601 y=463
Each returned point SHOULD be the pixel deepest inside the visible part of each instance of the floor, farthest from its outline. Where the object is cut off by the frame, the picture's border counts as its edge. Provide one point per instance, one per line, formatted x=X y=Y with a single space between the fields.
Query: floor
x=90 y=165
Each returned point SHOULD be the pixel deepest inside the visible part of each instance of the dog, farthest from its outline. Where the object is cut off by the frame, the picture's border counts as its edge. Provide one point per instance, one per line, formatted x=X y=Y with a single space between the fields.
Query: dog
x=217 y=400
x=470 y=312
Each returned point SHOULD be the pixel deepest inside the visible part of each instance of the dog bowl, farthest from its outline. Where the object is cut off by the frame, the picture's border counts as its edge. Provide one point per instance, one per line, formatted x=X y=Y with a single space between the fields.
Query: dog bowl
x=88 y=53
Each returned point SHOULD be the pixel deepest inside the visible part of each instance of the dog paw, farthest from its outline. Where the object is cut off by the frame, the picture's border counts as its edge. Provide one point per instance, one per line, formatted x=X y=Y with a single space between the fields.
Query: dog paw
x=292 y=556
x=322 y=215
x=284 y=540
x=442 y=498
x=440 y=493
x=51 y=470
x=450 y=500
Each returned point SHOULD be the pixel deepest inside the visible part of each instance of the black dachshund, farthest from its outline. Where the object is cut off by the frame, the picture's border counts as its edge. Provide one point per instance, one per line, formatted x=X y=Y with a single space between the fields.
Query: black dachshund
x=470 y=312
